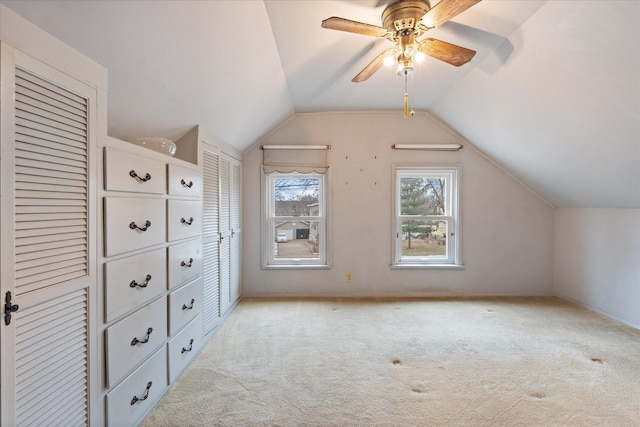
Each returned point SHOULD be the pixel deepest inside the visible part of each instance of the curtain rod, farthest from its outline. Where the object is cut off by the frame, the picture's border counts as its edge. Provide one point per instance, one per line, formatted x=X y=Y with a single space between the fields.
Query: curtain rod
x=433 y=147
x=295 y=147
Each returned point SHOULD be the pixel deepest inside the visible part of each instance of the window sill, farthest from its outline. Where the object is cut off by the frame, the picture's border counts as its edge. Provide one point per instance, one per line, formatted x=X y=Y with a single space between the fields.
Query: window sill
x=427 y=267
x=296 y=267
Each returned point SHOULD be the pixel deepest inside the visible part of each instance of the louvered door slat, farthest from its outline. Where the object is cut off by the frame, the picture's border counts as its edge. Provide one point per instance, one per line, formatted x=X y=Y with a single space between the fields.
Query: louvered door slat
x=210 y=194
x=46 y=270
x=50 y=118
x=38 y=107
x=24 y=258
x=43 y=88
x=47 y=319
x=47 y=406
x=30 y=90
x=31 y=221
x=67 y=154
x=71 y=165
x=59 y=416
x=30 y=244
x=40 y=228
x=44 y=184
x=52 y=276
x=47 y=144
x=50 y=260
x=210 y=249
x=39 y=124
x=25 y=134
x=46 y=362
x=54 y=370
x=43 y=332
x=37 y=248
x=39 y=209
x=54 y=203
x=211 y=281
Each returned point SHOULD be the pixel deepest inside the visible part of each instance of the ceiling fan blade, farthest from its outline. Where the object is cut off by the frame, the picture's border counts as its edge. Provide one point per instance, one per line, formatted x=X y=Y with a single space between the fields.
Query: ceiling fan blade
x=445 y=10
x=342 y=24
x=372 y=67
x=447 y=52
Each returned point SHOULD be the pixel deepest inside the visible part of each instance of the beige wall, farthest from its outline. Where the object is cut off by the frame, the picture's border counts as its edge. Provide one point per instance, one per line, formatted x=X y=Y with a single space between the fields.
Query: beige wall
x=507 y=231
x=597 y=260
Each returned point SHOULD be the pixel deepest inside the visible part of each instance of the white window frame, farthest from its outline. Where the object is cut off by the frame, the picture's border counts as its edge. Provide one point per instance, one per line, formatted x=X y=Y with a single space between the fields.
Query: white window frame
x=269 y=245
x=452 y=174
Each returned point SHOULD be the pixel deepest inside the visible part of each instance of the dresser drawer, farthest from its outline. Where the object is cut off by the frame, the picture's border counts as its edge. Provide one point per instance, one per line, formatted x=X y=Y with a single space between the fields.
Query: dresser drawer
x=184 y=304
x=137 y=395
x=130 y=172
x=134 y=338
x=185 y=262
x=184 y=182
x=133 y=223
x=183 y=347
x=185 y=219
x=132 y=281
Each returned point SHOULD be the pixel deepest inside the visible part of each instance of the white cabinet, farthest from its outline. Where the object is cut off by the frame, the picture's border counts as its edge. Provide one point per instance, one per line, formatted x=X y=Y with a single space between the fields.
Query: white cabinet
x=132 y=281
x=184 y=304
x=184 y=182
x=47 y=210
x=132 y=399
x=183 y=347
x=222 y=234
x=133 y=223
x=185 y=262
x=185 y=219
x=133 y=173
x=152 y=265
x=133 y=338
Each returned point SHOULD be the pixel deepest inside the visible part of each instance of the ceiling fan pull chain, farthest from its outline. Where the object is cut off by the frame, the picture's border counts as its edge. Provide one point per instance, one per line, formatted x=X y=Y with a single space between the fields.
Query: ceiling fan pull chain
x=406 y=98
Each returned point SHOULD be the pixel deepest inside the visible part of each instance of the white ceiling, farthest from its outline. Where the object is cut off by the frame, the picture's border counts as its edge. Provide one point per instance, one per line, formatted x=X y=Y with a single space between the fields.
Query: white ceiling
x=553 y=94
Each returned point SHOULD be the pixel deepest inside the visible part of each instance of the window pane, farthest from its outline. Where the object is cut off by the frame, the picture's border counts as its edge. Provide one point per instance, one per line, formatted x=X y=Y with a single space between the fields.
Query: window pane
x=297 y=239
x=424 y=239
x=296 y=196
x=422 y=196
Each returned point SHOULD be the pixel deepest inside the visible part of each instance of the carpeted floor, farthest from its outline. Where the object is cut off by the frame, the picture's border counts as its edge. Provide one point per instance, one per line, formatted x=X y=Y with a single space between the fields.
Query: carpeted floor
x=432 y=362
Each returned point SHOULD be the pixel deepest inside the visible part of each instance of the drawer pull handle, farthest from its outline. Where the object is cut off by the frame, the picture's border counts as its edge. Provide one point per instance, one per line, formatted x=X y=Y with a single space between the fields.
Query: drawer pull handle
x=190 y=307
x=184 y=350
x=144 y=340
x=184 y=264
x=137 y=399
x=134 y=284
x=134 y=226
x=187 y=221
x=184 y=184
x=133 y=174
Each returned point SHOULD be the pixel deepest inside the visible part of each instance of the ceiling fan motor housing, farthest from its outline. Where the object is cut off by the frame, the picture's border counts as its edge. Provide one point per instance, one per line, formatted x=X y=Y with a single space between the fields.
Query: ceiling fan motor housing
x=404 y=14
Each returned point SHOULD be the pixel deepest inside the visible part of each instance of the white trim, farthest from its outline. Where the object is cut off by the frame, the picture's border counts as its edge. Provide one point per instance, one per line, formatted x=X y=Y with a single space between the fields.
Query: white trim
x=453 y=256
x=295 y=147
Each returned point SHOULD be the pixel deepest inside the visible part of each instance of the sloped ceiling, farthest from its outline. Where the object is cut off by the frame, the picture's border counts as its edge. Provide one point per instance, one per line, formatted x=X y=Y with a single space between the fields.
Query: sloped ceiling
x=553 y=94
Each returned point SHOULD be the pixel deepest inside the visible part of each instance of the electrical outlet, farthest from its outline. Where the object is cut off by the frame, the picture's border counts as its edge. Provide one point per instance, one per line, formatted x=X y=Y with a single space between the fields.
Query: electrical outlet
x=349 y=278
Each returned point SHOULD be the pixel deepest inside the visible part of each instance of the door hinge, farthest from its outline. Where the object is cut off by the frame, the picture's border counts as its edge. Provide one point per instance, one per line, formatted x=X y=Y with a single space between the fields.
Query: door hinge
x=9 y=308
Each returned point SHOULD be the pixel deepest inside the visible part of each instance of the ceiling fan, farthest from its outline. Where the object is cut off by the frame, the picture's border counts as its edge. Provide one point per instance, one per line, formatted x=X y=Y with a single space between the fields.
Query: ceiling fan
x=403 y=22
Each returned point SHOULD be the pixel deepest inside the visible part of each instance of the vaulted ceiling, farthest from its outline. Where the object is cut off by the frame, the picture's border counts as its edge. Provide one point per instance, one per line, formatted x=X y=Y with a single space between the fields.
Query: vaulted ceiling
x=553 y=94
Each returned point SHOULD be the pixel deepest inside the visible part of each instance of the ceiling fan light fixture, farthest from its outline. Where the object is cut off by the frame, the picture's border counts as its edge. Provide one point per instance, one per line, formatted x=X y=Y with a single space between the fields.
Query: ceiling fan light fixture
x=419 y=56
x=405 y=68
x=390 y=59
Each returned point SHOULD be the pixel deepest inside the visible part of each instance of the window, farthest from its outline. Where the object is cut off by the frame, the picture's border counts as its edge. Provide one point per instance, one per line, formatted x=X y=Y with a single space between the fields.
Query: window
x=427 y=230
x=295 y=231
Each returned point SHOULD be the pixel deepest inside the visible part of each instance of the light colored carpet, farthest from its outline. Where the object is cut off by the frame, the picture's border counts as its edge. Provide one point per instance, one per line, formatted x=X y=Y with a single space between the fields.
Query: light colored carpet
x=434 y=362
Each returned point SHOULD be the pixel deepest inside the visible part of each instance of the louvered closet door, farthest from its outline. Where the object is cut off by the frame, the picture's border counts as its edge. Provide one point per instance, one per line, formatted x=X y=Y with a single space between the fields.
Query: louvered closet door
x=225 y=232
x=211 y=250
x=47 y=261
x=236 y=231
